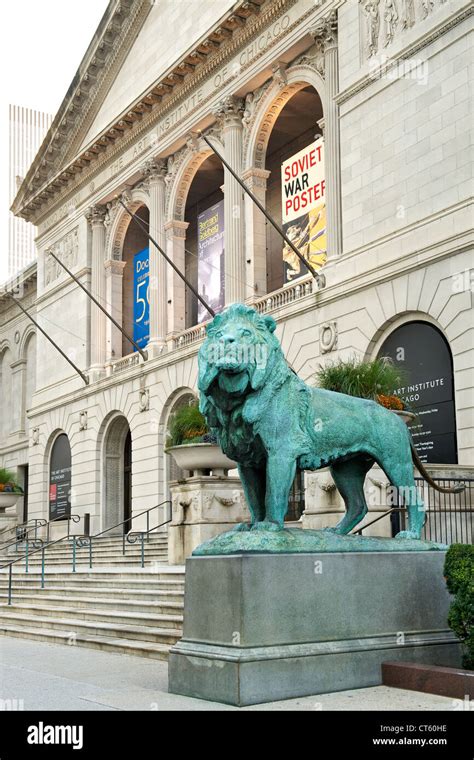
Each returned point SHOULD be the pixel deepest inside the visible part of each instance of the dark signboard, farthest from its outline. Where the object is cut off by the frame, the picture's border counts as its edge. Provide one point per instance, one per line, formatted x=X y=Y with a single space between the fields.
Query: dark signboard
x=423 y=353
x=60 y=478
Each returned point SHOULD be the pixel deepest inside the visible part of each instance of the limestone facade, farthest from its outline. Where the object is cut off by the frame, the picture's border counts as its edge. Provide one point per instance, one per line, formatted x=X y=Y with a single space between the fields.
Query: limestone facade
x=393 y=86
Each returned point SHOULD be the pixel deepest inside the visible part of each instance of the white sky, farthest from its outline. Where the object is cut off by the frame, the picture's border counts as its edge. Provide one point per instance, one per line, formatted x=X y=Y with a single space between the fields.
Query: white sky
x=42 y=45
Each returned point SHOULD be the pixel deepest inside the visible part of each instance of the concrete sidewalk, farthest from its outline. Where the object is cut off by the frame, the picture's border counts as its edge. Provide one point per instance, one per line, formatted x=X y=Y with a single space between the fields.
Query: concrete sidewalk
x=42 y=676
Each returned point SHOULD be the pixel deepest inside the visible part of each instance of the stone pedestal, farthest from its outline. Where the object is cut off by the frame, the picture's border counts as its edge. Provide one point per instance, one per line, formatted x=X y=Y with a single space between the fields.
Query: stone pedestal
x=262 y=627
x=203 y=507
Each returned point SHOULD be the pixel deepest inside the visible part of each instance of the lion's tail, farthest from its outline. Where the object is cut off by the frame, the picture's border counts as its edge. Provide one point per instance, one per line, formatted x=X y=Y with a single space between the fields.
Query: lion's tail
x=421 y=469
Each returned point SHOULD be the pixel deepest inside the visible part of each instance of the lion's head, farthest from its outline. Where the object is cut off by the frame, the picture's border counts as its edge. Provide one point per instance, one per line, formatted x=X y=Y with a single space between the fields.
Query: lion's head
x=239 y=357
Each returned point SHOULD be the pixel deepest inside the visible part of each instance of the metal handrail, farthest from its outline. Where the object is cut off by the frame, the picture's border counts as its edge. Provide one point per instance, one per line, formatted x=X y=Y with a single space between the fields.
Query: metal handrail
x=41 y=549
x=132 y=517
x=74 y=518
x=87 y=540
x=132 y=538
x=38 y=522
x=376 y=519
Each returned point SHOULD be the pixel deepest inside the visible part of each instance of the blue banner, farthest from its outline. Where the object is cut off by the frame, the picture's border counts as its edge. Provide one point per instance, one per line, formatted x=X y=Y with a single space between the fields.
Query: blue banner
x=141 y=304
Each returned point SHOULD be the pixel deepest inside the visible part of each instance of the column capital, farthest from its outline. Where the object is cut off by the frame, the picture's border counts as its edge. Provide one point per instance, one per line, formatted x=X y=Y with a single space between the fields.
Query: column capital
x=324 y=31
x=322 y=125
x=154 y=170
x=176 y=228
x=229 y=111
x=112 y=266
x=96 y=215
x=255 y=177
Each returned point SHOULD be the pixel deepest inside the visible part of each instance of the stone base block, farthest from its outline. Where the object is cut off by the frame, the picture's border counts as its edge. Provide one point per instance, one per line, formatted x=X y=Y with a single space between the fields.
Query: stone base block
x=259 y=628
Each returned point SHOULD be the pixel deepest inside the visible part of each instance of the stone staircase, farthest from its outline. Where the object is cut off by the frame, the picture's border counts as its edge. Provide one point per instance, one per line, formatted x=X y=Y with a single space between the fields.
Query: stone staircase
x=117 y=606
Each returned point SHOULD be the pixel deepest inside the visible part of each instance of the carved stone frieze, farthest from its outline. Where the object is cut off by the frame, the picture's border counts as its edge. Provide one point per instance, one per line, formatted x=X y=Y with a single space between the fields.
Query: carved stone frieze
x=66 y=249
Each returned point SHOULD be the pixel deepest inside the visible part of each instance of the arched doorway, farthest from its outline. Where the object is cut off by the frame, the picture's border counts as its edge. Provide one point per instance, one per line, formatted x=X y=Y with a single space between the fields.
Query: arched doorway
x=292 y=140
x=117 y=476
x=204 y=257
x=60 y=472
x=424 y=355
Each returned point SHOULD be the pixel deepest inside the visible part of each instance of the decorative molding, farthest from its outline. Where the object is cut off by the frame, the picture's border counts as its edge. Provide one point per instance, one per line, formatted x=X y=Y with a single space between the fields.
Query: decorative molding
x=154 y=170
x=96 y=215
x=252 y=99
x=328 y=335
x=144 y=400
x=35 y=436
x=229 y=111
x=83 y=420
x=241 y=24
x=314 y=57
x=66 y=249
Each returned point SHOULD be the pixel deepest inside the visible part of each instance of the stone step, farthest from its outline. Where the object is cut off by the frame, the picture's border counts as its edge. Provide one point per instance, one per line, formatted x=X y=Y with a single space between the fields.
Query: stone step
x=159 y=619
x=149 y=649
x=75 y=626
x=96 y=560
x=106 y=603
x=128 y=599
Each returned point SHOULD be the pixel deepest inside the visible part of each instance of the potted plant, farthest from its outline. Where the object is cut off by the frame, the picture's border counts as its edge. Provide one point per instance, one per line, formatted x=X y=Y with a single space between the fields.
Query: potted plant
x=191 y=444
x=10 y=491
x=374 y=380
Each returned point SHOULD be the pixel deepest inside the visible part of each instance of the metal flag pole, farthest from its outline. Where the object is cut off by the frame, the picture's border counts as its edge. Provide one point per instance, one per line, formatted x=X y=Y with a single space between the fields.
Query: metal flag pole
x=320 y=278
x=142 y=353
x=138 y=221
x=82 y=375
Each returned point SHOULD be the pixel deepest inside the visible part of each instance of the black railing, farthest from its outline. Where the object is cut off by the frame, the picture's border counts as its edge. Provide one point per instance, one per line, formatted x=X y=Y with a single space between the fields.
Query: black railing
x=449 y=516
x=83 y=541
x=23 y=533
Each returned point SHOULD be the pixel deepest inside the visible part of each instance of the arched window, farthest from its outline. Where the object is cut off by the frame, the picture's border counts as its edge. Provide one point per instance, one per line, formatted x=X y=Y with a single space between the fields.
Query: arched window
x=5 y=395
x=204 y=259
x=30 y=372
x=294 y=151
x=423 y=353
x=60 y=469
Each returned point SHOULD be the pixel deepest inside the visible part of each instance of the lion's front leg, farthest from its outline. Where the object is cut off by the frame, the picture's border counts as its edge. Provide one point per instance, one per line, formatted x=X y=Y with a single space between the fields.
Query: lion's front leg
x=253 y=483
x=281 y=471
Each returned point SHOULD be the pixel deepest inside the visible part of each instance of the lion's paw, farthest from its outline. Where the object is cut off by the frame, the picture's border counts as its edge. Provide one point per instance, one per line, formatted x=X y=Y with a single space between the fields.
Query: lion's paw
x=241 y=527
x=267 y=525
x=408 y=534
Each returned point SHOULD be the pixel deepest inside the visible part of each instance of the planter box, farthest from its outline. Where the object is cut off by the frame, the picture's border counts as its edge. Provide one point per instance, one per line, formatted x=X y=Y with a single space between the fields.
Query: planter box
x=430 y=679
x=201 y=456
x=8 y=499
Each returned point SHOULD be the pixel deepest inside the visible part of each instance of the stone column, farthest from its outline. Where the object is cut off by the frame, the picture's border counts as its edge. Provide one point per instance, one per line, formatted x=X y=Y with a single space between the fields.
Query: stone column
x=325 y=35
x=255 y=235
x=96 y=217
x=113 y=294
x=229 y=113
x=175 y=248
x=156 y=172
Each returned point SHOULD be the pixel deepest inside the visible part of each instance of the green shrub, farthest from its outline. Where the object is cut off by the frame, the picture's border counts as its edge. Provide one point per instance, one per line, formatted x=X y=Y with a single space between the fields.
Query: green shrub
x=8 y=481
x=187 y=425
x=459 y=574
x=363 y=379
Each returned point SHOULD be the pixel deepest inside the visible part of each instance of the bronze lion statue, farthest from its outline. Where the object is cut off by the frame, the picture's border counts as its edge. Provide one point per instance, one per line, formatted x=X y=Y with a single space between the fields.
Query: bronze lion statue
x=271 y=423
